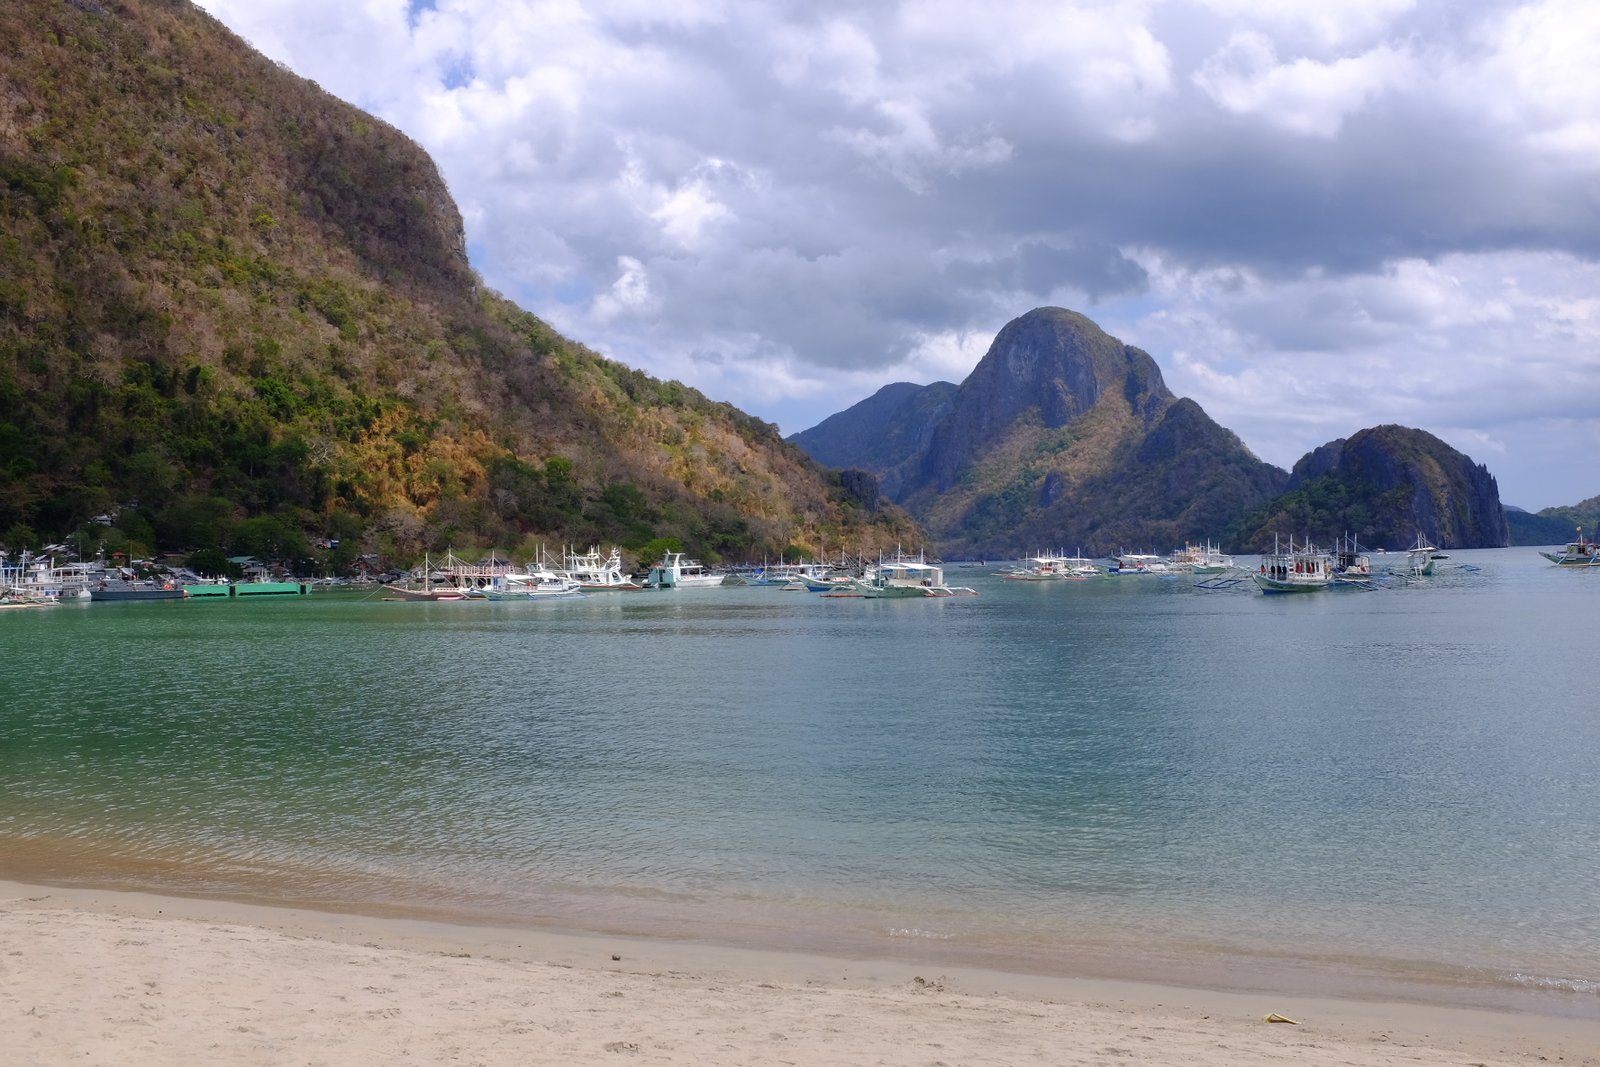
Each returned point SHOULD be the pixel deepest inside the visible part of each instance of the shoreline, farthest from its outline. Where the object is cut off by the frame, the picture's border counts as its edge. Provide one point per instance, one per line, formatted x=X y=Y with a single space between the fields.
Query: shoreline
x=145 y=978
x=1097 y=954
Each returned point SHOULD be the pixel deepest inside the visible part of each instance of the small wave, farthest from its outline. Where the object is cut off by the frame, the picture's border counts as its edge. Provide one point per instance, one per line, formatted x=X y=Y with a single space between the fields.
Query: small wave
x=1561 y=985
x=926 y=935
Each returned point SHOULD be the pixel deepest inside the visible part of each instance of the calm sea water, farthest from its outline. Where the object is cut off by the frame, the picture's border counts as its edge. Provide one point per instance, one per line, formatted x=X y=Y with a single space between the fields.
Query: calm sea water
x=1338 y=791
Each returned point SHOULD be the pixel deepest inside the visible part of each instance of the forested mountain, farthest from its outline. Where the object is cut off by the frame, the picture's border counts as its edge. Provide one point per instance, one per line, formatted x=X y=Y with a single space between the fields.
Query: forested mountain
x=1554 y=526
x=1384 y=486
x=239 y=317
x=1063 y=436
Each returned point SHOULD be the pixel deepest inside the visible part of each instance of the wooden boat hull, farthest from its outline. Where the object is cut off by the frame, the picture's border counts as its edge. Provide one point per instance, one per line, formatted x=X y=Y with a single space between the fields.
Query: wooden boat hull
x=116 y=595
x=1562 y=559
x=401 y=593
x=1279 y=585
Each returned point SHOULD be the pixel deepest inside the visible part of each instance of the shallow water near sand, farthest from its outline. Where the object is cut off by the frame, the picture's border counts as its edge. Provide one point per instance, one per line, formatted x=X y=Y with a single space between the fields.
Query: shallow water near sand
x=1389 y=791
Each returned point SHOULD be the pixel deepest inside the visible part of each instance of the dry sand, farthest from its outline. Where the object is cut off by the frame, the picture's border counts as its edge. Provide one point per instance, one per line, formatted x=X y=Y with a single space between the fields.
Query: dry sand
x=124 y=978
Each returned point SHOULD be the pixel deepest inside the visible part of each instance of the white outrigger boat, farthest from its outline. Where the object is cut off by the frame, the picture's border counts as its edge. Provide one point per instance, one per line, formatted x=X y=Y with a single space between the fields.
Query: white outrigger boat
x=907 y=577
x=427 y=587
x=1201 y=559
x=1578 y=553
x=1140 y=563
x=596 y=575
x=529 y=585
x=1052 y=568
x=1420 y=557
x=816 y=578
x=32 y=580
x=1301 y=569
x=1351 y=566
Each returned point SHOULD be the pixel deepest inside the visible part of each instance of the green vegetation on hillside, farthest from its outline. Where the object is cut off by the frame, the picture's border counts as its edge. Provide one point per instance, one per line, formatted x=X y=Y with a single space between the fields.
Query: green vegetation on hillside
x=1324 y=509
x=1383 y=486
x=238 y=319
x=1554 y=526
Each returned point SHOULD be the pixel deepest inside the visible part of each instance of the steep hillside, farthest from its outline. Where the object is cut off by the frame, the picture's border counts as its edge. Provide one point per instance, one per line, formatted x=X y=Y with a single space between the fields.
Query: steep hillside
x=1384 y=486
x=882 y=431
x=1064 y=436
x=1554 y=526
x=238 y=315
x=1045 y=369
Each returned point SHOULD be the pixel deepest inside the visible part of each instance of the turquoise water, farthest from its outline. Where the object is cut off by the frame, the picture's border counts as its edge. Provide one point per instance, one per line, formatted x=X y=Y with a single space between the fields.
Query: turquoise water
x=1335 y=791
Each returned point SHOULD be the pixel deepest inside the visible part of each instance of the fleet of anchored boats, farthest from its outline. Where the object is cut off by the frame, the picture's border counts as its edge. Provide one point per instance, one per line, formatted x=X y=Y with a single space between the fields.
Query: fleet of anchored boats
x=39 y=581
x=1306 y=568
x=1297 y=567
x=455 y=579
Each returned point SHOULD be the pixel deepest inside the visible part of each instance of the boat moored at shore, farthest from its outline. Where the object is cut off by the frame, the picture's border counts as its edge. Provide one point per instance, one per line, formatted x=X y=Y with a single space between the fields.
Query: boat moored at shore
x=428 y=583
x=531 y=585
x=256 y=583
x=597 y=575
x=676 y=572
x=136 y=589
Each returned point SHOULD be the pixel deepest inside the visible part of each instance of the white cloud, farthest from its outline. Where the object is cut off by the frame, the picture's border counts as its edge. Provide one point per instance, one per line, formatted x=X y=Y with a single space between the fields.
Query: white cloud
x=1305 y=96
x=1540 y=78
x=629 y=294
x=1326 y=23
x=838 y=56
x=1315 y=216
x=1473 y=347
x=1097 y=64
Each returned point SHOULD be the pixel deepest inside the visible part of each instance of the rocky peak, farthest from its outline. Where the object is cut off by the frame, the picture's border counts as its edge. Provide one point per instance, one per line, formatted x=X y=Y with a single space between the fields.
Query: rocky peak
x=1385 y=485
x=1050 y=366
x=1060 y=362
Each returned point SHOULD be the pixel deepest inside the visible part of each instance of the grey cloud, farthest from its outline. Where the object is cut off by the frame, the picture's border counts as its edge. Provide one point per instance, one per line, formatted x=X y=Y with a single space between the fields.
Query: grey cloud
x=830 y=257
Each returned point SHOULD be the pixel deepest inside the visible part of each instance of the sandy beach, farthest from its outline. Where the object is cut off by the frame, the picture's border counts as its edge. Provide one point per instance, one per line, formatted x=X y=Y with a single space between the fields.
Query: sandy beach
x=90 y=976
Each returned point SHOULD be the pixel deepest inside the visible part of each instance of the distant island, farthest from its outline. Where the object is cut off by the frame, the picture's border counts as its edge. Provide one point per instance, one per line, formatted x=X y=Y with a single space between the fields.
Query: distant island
x=1065 y=436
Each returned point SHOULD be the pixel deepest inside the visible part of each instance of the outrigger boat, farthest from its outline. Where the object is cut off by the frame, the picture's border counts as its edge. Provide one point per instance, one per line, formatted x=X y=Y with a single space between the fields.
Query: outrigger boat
x=1046 y=567
x=1139 y=563
x=1201 y=559
x=1420 y=557
x=818 y=578
x=1351 y=566
x=426 y=583
x=529 y=586
x=1300 y=569
x=1578 y=553
x=907 y=577
x=595 y=574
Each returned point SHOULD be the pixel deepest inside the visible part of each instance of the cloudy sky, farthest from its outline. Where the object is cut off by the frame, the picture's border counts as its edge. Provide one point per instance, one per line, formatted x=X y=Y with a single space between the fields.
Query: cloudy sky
x=1316 y=216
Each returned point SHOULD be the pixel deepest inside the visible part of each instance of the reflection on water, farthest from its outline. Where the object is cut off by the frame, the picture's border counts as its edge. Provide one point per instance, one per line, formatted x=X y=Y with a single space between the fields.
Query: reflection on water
x=1400 y=779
